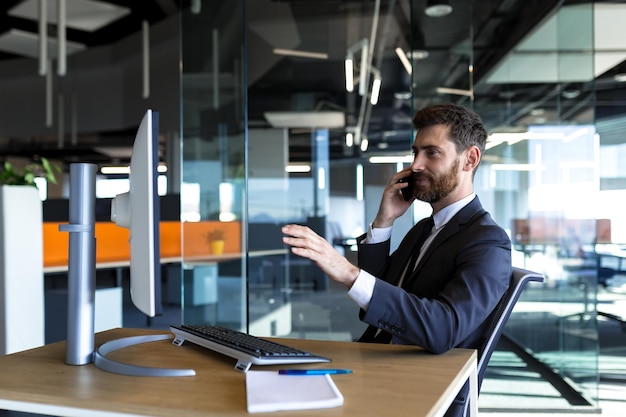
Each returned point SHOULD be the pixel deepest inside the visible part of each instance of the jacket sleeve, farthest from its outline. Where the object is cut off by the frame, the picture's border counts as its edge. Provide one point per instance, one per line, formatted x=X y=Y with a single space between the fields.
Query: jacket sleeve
x=475 y=272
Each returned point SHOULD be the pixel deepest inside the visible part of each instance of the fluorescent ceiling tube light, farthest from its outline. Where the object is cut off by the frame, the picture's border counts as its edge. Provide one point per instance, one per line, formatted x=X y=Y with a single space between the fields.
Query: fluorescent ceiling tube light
x=349 y=64
x=349 y=139
x=115 y=170
x=364 y=144
x=302 y=54
x=405 y=60
x=391 y=159
x=376 y=84
x=302 y=168
x=455 y=91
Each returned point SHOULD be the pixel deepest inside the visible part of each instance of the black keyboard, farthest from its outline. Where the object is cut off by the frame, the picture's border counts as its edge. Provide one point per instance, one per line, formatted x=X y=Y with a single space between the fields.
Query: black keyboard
x=247 y=349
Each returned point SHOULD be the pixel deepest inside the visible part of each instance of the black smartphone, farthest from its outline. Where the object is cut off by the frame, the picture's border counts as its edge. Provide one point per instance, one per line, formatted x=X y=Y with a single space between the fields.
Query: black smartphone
x=407 y=192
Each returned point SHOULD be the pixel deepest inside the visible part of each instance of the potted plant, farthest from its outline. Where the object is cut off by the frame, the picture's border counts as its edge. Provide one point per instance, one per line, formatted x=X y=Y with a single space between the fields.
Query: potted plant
x=39 y=168
x=215 y=239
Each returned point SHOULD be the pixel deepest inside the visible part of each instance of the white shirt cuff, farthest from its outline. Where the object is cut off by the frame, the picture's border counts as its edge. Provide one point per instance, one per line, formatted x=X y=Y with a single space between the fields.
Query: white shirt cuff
x=362 y=289
x=378 y=235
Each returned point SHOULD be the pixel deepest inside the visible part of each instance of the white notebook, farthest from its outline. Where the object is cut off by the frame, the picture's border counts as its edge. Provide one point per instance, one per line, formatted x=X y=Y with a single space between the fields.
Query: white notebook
x=268 y=391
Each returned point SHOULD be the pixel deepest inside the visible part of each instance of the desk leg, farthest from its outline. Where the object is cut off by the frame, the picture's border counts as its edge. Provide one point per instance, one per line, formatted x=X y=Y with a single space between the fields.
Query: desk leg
x=473 y=392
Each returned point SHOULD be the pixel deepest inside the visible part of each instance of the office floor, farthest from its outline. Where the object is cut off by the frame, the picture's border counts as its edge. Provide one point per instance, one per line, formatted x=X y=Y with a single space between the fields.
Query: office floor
x=511 y=383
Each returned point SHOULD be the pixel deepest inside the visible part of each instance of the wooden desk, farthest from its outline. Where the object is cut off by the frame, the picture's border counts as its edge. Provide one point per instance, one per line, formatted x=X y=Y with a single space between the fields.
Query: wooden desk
x=387 y=380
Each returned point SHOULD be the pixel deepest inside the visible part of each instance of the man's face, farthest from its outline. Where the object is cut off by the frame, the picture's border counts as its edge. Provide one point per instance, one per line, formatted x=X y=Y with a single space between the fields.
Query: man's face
x=435 y=166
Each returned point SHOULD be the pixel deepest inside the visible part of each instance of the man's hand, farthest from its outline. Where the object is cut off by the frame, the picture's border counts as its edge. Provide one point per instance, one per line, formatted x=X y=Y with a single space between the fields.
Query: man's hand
x=308 y=244
x=392 y=204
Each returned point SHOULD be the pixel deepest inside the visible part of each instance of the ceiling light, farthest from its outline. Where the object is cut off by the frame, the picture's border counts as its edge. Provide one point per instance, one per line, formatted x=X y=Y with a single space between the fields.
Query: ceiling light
x=306 y=119
x=302 y=54
x=454 y=91
x=349 y=139
x=298 y=168
x=418 y=54
x=115 y=170
x=391 y=159
x=620 y=78
x=571 y=93
x=438 y=8
x=376 y=84
x=402 y=95
x=349 y=64
x=404 y=59
x=364 y=144
x=363 y=46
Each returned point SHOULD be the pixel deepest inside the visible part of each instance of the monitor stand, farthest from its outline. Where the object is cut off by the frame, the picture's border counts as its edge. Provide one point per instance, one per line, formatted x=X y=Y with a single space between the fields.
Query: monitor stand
x=102 y=362
x=81 y=286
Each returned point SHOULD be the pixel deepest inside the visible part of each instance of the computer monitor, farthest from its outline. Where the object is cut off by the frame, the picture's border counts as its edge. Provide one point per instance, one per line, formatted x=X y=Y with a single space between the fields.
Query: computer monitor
x=138 y=210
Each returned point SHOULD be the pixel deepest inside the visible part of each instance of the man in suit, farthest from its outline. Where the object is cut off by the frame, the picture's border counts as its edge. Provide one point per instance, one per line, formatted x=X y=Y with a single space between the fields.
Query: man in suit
x=439 y=287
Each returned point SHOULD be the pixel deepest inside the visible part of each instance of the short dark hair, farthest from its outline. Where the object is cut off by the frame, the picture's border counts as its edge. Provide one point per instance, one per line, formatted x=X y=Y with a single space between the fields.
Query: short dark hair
x=466 y=127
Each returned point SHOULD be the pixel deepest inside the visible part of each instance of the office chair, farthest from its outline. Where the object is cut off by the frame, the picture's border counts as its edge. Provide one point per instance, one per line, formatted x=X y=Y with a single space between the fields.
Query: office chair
x=498 y=319
x=519 y=278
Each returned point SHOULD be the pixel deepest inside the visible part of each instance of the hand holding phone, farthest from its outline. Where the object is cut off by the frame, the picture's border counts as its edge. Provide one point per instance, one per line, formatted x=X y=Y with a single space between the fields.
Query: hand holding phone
x=407 y=192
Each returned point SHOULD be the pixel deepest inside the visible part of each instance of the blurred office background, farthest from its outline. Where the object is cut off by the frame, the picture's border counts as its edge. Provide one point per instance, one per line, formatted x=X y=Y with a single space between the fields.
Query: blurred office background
x=260 y=128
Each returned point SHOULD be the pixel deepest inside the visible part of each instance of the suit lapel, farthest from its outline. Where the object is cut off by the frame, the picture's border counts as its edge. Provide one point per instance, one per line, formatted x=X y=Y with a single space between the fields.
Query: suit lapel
x=459 y=221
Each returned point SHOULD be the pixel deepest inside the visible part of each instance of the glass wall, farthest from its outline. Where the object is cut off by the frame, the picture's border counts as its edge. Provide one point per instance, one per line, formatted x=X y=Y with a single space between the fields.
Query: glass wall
x=274 y=134
x=213 y=165
x=542 y=172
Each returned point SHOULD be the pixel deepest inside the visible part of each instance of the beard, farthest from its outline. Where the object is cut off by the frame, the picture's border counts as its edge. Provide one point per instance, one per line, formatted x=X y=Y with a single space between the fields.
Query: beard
x=440 y=186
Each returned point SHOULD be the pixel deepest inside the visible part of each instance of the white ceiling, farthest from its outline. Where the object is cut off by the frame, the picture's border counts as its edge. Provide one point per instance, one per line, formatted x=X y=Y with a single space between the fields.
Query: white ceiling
x=545 y=55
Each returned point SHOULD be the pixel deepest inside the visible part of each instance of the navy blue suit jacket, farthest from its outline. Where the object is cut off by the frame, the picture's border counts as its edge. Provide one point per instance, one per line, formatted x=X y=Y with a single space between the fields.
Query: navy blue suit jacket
x=445 y=302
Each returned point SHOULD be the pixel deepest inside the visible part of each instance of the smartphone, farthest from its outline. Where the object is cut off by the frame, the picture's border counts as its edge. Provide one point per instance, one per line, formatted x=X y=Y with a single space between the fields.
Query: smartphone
x=407 y=192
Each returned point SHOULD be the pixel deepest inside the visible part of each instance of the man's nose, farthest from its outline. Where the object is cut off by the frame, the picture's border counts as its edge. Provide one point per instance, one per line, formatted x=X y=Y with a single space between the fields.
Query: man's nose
x=418 y=162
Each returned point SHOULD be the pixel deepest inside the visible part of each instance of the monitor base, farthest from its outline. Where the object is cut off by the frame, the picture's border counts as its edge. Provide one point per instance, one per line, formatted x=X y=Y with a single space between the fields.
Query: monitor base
x=102 y=362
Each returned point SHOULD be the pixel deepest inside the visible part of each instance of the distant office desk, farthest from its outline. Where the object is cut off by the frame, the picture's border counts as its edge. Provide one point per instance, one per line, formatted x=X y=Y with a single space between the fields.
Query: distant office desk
x=191 y=260
x=387 y=380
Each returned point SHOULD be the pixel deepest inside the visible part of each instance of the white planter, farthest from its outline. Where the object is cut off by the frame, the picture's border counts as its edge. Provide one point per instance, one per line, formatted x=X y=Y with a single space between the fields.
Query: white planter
x=21 y=269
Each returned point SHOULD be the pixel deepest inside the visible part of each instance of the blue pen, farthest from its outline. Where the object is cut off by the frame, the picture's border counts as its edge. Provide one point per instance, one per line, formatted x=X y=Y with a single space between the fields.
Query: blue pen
x=314 y=371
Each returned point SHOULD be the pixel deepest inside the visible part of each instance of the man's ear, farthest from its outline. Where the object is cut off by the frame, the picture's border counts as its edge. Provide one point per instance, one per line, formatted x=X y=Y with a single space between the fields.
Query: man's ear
x=472 y=158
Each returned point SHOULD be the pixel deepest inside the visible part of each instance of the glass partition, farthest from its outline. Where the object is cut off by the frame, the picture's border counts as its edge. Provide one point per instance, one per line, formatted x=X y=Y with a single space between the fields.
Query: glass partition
x=275 y=132
x=542 y=173
x=213 y=199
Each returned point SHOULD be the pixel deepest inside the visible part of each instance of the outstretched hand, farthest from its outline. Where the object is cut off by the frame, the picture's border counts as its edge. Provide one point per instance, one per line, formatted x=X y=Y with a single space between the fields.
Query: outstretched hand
x=308 y=244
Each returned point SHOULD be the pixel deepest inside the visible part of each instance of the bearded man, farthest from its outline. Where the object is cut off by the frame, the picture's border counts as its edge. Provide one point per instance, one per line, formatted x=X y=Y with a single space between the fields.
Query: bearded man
x=439 y=288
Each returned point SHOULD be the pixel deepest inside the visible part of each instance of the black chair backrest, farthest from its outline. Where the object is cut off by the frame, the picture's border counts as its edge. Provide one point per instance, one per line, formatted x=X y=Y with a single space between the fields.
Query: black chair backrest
x=501 y=314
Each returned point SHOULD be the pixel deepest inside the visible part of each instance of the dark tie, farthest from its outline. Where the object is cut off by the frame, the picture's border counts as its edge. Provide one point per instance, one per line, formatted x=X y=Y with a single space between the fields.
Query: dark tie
x=371 y=334
x=417 y=248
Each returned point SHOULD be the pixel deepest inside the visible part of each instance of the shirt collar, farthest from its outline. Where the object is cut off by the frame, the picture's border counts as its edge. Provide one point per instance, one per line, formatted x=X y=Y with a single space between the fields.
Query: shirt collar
x=443 y=216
